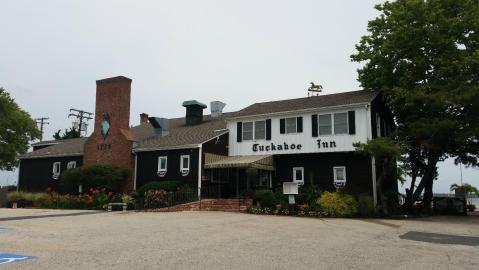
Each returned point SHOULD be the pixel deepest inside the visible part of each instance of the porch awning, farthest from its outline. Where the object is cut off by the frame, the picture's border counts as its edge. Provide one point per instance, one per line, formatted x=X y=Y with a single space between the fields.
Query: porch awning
x=262 y=162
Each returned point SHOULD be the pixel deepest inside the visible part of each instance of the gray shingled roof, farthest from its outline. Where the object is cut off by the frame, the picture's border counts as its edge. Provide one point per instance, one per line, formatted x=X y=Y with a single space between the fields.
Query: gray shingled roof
x=146 y=139
x=68 y=147
x=321 y=101
x=180 y=134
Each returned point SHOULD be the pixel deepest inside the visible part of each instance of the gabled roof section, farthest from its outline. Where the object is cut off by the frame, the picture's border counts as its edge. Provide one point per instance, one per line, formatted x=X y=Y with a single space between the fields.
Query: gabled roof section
x=62 y=148
x=321 y=101
x=180 y=134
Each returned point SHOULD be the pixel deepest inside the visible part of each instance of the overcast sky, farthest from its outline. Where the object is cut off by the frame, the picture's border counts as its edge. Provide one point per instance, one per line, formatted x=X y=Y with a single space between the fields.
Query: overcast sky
x=239 y=52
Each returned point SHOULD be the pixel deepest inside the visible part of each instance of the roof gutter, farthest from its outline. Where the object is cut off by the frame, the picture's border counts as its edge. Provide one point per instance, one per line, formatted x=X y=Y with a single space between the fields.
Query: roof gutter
x=53 y=156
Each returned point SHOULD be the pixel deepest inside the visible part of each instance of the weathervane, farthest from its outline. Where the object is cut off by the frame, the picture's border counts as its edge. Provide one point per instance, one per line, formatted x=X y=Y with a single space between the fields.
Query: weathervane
x=315 y=88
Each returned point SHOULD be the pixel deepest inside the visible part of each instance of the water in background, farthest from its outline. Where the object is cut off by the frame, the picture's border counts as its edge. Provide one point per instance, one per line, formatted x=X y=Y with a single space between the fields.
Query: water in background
x=474 y=201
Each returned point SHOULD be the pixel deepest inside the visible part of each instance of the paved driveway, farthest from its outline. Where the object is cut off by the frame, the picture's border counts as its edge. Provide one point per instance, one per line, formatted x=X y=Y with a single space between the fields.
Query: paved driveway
x=214 y=240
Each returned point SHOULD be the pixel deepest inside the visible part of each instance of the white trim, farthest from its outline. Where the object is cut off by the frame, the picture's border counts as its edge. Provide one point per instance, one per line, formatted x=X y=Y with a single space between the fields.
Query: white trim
x=373 y=168
x=354 y=105
x=50 y=156
x=186 y=146
x=181 y=162
x=335 y=175
x=200 y=150
x=134 y=172
x=300 y=182
x=368 y=122
x=159 y=163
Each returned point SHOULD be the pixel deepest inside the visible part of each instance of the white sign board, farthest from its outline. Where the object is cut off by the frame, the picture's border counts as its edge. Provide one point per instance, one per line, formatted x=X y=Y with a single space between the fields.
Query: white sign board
x=290 y=188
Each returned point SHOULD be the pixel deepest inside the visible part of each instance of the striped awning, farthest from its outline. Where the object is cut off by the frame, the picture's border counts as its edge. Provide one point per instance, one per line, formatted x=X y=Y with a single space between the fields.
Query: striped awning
x=262 y=162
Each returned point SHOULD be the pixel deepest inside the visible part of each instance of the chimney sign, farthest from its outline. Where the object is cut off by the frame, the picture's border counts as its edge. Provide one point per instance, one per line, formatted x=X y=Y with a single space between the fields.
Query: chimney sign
x=105 y=125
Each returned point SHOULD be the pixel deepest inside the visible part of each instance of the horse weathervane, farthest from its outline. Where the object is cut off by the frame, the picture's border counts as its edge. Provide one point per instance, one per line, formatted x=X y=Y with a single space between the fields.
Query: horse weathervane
x=315 y=88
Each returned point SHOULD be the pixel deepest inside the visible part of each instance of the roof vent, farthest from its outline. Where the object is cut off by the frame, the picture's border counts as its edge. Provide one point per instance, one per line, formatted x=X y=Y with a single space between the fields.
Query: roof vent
x=194 y=112
x=161 y=125
x=217 y=108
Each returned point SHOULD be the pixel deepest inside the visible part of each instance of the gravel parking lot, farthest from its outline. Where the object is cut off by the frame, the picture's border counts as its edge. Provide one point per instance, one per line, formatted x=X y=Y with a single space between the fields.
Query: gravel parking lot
x=215 y=240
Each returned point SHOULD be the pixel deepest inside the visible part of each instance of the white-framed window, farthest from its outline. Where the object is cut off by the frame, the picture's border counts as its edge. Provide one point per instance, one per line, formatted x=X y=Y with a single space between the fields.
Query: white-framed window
x=325 y=124
x=339 y=173
x=71 y=164
x=260 y=130
x=185 y=162
x=341 y=123
x=162 y=163
x=56 y=170
x=291 y=125
x=298 y=175
x=247 y=131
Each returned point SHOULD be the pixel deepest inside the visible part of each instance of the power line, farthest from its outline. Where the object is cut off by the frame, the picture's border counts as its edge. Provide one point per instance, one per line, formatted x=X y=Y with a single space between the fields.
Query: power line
x=81 y=116
x=42 y=121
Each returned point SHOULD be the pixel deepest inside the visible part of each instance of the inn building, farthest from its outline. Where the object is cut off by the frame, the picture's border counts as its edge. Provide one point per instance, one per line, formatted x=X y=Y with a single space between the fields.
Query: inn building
x=305 y=140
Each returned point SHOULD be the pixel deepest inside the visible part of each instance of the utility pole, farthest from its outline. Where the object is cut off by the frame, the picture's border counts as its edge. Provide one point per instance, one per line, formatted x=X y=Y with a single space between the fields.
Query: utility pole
x=81 y=116
x=41 y=122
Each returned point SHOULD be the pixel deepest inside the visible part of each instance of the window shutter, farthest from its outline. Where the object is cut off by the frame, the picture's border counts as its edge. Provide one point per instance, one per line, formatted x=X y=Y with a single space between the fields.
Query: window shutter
x=239 y=131
x=299 y=124
x=352 y=122
x=282 y=126
x=314 y=125
x=268 y=129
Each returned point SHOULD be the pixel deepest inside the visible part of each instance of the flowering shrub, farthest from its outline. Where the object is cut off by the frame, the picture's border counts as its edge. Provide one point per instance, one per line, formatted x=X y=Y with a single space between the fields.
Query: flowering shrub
x=156 y=199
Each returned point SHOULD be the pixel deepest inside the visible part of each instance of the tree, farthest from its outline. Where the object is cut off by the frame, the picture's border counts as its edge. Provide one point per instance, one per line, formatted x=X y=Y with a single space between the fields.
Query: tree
x=68 y=134
x=424 y=57
x=386 y=153
x=17 y=128
x=466 y=188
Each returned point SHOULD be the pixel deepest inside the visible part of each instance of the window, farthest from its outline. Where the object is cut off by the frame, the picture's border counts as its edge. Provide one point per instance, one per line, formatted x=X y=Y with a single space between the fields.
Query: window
x=291 y=125
x=162 y=162
x=71 y=164
x=341 y=123
x=56 y=170
x=378 y=125
x=339 y=174
x=324 y=124
x=247 y=131
x=185 y=162
x=298 y=175
x=260 y=130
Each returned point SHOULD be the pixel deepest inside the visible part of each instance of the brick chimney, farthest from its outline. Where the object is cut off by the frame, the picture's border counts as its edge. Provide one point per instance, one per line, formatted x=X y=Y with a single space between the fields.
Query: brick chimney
x=194 y=112
x=143 y=118
x=111 y=141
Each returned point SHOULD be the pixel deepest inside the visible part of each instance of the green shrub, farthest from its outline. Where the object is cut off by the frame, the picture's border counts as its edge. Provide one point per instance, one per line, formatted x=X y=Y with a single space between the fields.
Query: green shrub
x=158 y=185
x=110 y=177
x=265 y=198
x=27 y=198
x=338 y=204
x=365 y=205
x=308 y=194
x=280 y=198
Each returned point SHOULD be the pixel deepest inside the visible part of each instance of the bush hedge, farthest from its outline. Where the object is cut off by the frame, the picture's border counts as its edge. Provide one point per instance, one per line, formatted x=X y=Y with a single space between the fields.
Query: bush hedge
x=109 y=177
x=264 y=197
x=338 y=204
x=365 y=205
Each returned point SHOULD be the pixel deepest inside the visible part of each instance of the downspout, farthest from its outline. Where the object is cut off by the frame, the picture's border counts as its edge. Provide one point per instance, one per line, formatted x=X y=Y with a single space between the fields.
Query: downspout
x=373 y=171
x=134 y=173
x=18 y=180
x=200 y=157
x=373 y=160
